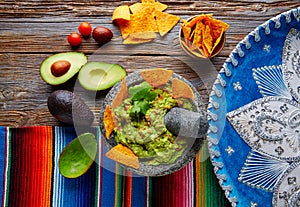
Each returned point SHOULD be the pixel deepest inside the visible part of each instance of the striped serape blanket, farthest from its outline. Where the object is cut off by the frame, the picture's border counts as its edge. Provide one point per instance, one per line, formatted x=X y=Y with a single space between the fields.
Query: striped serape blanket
x=29 y=176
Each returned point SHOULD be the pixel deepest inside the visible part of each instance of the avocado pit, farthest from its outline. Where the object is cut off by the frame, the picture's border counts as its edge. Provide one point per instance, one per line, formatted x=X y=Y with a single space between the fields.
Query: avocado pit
x=60 y=67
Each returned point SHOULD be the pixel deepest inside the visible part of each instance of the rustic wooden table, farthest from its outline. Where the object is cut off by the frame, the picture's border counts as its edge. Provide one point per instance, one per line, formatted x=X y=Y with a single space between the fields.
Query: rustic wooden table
x=32 y=30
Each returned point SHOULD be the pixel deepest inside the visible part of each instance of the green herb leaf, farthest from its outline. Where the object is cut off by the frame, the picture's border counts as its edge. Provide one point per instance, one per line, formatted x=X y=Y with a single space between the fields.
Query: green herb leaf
x=135 y=109
x=141 y=95
x=144 y=106
x=151 y=96
x=133 y=90
x=139 y=107
x=144 y=94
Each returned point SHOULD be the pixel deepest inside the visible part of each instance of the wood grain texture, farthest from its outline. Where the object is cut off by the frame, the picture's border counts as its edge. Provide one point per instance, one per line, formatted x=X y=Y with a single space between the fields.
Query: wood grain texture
x=32 y=30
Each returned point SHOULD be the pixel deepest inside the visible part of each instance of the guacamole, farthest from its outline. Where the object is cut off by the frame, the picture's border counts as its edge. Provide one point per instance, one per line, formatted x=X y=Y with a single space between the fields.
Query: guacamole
x=140 y=124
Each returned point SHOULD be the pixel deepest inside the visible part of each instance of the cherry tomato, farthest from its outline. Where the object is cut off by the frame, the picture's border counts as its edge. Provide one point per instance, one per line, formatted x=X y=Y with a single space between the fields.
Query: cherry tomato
x=74 y=39
x=85 y=28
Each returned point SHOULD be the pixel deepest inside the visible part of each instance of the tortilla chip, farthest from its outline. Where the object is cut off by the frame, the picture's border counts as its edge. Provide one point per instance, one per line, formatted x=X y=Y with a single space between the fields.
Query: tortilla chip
x=160 y=6
x=108 y=121
x=193 y=21
x=123 y=155
x=207 y=40
x=205 y=51
x=199 y=18
x=143 y=35
x=125 y=28
x=121 y=13
x=186 y=32
x=217 y=41
x=139 y=7
x=190 y=43
x=134 y=41
x=181 y=89
x=147 y=1
x=184 y=22
x=165 y=22
x=220 y=23
x=198 y=35
x=138 y=38
x=122 y=94
x=141 y=22
x=217 y=27
x=156 y=77
x=145 y=22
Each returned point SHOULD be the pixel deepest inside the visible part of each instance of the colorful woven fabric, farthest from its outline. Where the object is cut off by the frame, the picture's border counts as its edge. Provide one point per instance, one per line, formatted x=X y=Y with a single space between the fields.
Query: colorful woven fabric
x=29 y=176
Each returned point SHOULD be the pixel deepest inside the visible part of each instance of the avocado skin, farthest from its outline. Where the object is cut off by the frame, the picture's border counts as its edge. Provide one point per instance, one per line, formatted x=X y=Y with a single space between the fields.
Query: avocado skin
x=69 y=108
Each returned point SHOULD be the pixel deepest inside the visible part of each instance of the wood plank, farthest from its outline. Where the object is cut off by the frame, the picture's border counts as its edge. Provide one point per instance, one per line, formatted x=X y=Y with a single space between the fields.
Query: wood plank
x=23 y=93
x=48 y=33
x=43 y=37
x=105 y=8
x=32 y=30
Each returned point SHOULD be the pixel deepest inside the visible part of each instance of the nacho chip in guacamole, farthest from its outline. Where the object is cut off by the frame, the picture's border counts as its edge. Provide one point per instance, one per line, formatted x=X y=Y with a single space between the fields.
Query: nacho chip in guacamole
x=108 y=121
x=156 y=77
x=123 y=155
x=121 y=95
x=181 y=89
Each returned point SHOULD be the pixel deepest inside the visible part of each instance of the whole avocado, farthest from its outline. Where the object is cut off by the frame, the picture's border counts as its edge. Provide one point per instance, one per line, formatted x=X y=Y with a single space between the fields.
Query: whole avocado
x=69 y=108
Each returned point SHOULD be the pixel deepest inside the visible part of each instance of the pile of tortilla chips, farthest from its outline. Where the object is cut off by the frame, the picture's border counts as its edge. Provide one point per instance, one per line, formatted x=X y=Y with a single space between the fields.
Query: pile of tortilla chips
x=203 y=33
x=140 y=22
x=124 y=155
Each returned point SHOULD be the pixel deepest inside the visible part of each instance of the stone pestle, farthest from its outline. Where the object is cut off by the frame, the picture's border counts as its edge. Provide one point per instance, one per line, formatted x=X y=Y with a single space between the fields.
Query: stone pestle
x=184 y=123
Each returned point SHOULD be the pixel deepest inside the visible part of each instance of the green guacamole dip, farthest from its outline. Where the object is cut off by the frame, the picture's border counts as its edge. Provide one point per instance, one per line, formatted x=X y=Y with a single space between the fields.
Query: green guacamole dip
x=146 y=134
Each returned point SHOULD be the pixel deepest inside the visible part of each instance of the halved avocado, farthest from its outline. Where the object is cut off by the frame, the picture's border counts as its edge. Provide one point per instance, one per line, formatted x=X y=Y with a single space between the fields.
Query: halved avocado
x=78 y=156
x=76 y=59
x=97 y=76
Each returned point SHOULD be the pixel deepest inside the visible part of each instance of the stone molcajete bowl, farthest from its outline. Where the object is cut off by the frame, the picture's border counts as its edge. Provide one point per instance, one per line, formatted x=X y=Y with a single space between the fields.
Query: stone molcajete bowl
x=194 y=141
